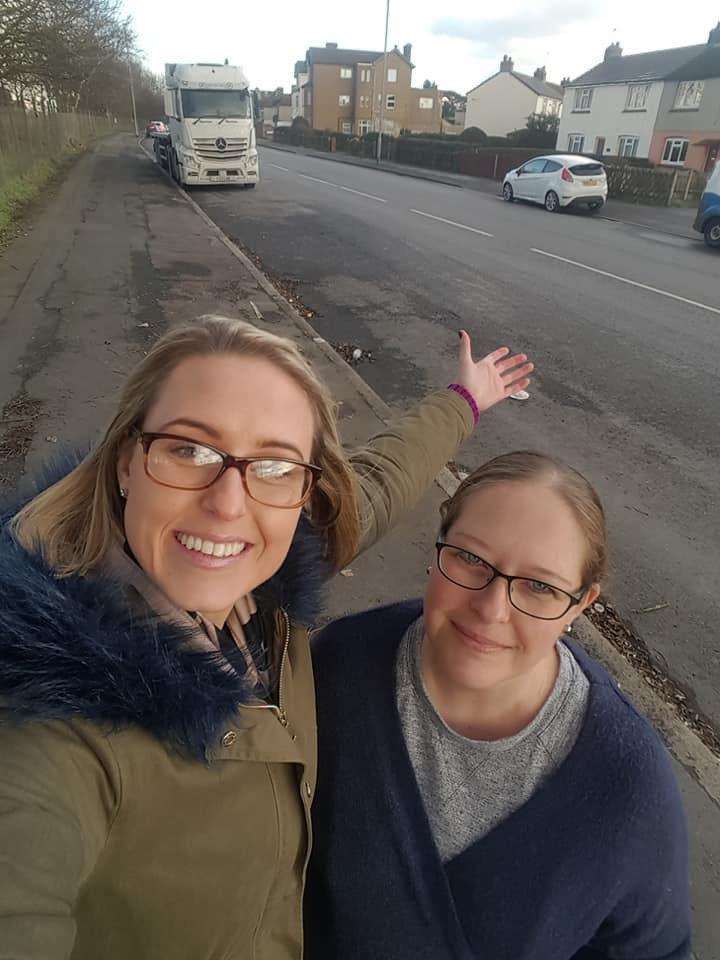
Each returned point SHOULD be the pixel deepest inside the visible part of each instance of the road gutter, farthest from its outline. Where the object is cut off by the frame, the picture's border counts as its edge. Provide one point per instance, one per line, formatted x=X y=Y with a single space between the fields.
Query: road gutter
x=686 y=747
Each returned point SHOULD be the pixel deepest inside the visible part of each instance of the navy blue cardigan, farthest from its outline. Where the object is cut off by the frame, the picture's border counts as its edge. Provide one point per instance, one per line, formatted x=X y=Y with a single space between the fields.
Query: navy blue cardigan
x=593 y=866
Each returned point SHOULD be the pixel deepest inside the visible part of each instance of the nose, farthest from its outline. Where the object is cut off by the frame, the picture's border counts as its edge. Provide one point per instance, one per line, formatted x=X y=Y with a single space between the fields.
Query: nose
x=227 y=497
x=492 y=604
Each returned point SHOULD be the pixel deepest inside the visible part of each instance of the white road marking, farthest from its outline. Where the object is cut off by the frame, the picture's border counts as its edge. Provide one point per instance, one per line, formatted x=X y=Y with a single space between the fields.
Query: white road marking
x=633 y=283
x=339 y=186
x=462 y=226
x=361 y=194
x=278 y=167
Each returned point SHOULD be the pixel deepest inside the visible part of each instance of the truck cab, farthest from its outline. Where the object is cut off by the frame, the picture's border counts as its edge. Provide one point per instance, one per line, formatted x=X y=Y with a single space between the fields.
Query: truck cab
x=707 y=220
x=211 y=135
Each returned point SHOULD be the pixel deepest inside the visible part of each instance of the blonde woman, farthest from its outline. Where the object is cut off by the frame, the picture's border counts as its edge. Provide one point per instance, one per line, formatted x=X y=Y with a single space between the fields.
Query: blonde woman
x=487 y=791
x=157 y=733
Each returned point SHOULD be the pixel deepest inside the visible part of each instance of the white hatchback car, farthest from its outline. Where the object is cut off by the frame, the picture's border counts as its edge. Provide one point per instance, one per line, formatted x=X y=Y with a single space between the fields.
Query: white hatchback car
x=561 y=180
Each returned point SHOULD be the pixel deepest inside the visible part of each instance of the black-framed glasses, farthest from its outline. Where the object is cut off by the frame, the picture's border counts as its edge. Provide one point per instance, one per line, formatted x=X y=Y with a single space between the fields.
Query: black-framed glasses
x=185 y=464
x=532 y=597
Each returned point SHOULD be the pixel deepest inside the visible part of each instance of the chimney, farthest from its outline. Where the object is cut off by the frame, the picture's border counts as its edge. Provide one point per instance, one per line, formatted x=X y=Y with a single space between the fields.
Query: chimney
x=407 y=51
x=714 y=36
x=614 y=50
x=331 y=46
x=540 y=74
x=565 y=81
x=506 y=65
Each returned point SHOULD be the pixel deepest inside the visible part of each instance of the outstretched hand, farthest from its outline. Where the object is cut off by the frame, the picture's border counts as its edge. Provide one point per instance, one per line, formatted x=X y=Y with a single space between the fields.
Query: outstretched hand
x=493 y=378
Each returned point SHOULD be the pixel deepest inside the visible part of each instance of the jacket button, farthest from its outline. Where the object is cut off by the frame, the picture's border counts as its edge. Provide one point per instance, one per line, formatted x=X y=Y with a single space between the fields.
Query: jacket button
x=229 y=739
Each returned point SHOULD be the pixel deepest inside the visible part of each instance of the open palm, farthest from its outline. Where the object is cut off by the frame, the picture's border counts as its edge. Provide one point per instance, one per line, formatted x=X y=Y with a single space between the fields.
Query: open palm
x=493 y=378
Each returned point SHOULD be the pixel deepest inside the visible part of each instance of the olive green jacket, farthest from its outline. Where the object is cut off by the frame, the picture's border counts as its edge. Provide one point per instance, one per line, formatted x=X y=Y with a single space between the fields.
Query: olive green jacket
x=149 y=809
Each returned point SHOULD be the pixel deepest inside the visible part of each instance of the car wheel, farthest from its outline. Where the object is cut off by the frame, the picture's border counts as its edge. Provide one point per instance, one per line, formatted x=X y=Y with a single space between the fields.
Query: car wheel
x=711 y=232
x=552 y=202
x=508 y=193
x=174 y=171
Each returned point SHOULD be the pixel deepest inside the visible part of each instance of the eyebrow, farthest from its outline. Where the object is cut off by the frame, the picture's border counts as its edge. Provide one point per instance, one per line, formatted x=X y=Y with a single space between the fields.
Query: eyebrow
x=212 y=432
x=548 y=576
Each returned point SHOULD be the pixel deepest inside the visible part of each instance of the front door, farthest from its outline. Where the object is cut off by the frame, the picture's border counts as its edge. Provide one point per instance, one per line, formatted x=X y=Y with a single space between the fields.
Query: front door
x=712 y=155
x=529 y=179
x=599 y=147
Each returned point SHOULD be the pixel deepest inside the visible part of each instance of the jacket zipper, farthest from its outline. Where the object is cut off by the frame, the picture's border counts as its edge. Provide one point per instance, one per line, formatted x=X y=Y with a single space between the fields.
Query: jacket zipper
x=279 y=709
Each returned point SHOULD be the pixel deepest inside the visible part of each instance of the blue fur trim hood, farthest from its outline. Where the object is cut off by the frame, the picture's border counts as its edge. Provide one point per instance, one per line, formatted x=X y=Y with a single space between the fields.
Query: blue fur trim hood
x=74 y=647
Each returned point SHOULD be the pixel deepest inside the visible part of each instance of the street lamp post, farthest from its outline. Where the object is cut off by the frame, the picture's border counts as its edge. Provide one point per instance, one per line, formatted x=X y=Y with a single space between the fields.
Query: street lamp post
x=132 y=99
x=382 y=100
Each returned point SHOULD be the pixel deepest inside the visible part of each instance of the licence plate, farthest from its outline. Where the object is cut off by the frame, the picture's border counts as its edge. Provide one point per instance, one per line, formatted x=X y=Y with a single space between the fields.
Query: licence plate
x=591 y=183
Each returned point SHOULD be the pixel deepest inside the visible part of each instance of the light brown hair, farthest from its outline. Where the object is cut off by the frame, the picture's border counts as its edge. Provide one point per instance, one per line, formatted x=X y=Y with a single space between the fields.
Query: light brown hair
x=526 y=466
x=75 y=521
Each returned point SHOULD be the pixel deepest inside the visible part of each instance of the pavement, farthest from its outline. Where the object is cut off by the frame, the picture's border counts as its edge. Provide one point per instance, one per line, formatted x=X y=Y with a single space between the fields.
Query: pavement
x=675 y=221
x=116 y=256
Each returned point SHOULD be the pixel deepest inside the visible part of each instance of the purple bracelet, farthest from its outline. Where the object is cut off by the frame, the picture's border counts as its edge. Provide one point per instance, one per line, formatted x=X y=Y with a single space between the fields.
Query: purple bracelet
x=466 y=395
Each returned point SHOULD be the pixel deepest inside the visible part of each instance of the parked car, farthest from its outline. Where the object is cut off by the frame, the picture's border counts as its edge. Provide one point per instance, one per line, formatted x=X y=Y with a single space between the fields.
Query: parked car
x=561 y=180
x=156 y=128
x=707 y=221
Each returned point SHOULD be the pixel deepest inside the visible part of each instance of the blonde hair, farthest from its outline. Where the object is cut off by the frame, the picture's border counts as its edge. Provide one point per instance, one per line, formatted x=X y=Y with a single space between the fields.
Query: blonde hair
x=528 y=467
x=74 y=522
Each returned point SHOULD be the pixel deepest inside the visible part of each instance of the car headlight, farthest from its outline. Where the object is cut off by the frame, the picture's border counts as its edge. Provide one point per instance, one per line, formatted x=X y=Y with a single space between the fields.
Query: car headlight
x=189 y=160
x=252 y=160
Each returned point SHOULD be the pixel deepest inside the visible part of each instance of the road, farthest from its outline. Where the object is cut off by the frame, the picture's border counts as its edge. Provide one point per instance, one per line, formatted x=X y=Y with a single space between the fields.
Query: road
x=621 y=321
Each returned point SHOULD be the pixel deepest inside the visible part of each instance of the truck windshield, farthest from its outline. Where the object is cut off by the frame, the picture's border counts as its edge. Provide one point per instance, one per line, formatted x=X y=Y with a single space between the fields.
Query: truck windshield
x=216 y=103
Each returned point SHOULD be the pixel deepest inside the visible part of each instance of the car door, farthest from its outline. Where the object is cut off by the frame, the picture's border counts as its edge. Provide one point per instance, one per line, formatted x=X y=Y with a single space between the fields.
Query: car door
x=530 y=174
x=548 y=179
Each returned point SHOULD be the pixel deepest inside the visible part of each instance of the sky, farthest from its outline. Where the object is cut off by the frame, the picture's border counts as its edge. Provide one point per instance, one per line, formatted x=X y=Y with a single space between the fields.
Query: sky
x=455 y=44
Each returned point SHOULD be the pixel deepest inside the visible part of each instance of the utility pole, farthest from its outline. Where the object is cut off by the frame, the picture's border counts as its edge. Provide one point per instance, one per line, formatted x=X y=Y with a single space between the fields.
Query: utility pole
x=132 y=98
x=384 y=79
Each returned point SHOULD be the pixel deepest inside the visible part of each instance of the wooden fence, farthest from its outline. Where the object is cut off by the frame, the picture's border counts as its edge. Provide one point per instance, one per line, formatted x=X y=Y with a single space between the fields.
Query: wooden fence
x=26 y=137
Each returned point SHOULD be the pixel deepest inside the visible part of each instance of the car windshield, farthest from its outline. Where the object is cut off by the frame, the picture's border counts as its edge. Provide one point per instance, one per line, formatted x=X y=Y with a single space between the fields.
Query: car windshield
x=587 y=169
x=216 y=103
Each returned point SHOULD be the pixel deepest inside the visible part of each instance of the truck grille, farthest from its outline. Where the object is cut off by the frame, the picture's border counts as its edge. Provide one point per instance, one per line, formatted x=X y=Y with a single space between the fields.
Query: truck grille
x=206 y=147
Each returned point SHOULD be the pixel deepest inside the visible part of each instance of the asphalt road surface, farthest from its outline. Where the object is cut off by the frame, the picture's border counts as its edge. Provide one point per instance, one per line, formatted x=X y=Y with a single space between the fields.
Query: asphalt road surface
x=622 y=322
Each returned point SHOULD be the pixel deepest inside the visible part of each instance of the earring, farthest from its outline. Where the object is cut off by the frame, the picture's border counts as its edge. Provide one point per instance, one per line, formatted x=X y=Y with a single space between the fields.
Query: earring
x=568 y=628
x=123 y=493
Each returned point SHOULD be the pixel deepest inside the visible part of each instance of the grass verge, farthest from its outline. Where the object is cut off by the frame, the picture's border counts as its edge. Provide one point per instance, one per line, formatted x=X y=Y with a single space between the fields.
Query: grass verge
x=17 y=192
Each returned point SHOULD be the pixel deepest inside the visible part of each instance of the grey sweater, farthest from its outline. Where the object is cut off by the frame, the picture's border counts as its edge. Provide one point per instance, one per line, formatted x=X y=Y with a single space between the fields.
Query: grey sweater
x=469 y=786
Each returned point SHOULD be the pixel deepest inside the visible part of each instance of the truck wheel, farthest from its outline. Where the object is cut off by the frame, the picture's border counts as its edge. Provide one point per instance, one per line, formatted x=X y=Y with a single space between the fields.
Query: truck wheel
x=250 y=186
x=711 y=232
x=174 y=173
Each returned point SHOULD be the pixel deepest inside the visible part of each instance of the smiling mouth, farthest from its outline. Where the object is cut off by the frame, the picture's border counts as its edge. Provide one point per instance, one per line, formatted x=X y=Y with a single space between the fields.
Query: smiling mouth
x=478 y=640
x=211 y=548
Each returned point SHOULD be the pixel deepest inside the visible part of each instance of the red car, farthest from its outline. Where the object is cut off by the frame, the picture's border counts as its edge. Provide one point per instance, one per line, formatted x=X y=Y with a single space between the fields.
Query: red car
x=156 y=128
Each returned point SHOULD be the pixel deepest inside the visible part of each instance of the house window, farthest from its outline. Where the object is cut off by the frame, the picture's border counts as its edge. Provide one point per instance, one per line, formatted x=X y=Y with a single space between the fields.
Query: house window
x=346 y=73
x=689 y=94
x=637 y=96
x=364 y=75
x=390 y=101
x=426 y=103
x=627 y=146
x=675 y=150
x=583 y=98
x=364 y=102
x=392 y=75
x=576 y=143
x=346 y=126
x=344 y=100
x=363 y=127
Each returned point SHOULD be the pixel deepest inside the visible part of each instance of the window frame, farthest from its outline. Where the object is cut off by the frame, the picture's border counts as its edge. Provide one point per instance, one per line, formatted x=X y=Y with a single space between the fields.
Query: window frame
x=388 y=98
x=392 y=79
x=681 y=94
x=426 y=103
x=669 y=147
x=580 y=96
x=344 y=100
x=622 y=143
x=576 y=137
x=633 y=88
x=366 y=125
x=346 y=73
x=346 y=124
x=365 y=74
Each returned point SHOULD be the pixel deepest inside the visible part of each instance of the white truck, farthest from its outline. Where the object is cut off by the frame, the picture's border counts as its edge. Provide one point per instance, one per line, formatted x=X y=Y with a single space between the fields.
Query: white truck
x=211 y=134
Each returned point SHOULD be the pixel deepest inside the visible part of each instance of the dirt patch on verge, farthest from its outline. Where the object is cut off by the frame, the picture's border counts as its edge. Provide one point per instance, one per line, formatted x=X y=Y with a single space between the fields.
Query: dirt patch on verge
x=17 y=428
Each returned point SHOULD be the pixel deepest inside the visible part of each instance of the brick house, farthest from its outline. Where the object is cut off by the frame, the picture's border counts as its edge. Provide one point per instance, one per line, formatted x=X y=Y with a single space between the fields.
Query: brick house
x=348 y=90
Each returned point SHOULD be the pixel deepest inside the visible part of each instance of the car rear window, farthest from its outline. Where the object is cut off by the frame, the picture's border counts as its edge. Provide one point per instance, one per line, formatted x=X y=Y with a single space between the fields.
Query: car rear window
x=587 y=169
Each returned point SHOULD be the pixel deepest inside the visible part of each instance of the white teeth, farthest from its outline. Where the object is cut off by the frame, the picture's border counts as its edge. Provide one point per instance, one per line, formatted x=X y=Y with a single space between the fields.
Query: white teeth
x=209 y=547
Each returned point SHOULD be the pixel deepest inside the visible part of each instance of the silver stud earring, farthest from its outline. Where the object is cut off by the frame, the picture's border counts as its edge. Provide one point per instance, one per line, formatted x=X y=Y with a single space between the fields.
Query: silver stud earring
x=568 y=628
x=123 y=493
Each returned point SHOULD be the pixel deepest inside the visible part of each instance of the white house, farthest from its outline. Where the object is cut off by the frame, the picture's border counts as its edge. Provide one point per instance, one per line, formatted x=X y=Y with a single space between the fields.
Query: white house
x=612 y=109
x=302 y=75
x=505 y=100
